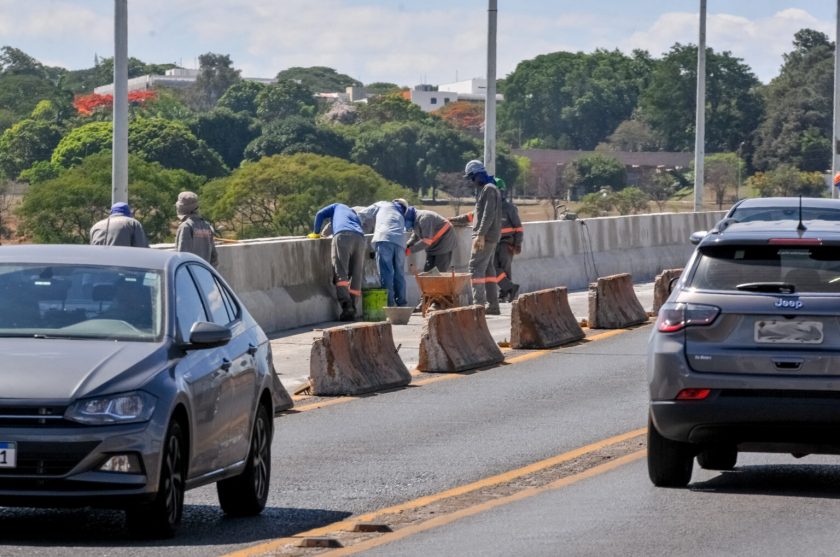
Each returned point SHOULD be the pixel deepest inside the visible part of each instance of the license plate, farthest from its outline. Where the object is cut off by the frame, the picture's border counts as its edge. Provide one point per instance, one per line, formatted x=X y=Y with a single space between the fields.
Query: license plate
x=788 y=332
x=8 y=455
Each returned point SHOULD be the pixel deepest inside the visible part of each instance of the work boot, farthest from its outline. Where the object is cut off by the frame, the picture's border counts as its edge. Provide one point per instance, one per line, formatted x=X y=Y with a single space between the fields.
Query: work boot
x=493 y=310
x=503 y=296
x=513 y=292
x=347 y=315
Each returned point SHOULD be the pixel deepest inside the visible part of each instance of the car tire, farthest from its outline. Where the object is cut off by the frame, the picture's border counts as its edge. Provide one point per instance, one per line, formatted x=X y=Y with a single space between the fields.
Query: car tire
x=161 y=517
x=247 y=493
x=718 y=458
x=669 y=462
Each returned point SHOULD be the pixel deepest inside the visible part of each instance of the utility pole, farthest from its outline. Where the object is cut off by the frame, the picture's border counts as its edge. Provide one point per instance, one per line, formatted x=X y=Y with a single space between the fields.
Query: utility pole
x=700 y=121
x=835 y=143
x=490 y=101
x=119 y=149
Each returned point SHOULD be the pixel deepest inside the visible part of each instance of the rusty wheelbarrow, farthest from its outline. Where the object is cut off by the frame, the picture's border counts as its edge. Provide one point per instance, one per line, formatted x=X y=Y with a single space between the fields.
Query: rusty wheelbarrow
x=443 y=290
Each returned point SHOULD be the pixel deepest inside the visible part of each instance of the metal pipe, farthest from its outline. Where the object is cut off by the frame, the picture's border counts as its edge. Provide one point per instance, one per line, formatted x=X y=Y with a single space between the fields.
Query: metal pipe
x=119 y=148
x=700 y=121
x=490 y=100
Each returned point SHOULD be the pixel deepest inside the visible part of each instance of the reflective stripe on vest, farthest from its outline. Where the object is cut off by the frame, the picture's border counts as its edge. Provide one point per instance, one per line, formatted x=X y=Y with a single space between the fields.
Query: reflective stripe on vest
x=438 y=235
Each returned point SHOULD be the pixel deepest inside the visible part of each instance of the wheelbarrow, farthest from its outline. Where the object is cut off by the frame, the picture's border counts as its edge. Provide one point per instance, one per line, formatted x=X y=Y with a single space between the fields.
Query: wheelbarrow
x=442 y=290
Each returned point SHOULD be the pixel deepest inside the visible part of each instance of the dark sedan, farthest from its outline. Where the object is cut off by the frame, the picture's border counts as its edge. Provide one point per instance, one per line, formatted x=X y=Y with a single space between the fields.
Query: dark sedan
x=128 y=376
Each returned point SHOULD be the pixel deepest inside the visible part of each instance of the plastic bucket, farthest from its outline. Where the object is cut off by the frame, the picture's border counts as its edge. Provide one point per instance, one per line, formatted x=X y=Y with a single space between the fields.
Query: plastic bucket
x=373 y=304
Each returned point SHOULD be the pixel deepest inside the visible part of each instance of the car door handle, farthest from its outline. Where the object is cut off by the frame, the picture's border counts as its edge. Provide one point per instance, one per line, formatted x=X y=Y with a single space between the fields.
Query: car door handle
x=252 y=349
x=225 y=364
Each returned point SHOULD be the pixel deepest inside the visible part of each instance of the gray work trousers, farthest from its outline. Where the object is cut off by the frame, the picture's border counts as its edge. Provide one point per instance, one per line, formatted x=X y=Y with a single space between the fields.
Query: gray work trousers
x=440 y=261
x=504 y=261
x=483 y=270
x=348 y=260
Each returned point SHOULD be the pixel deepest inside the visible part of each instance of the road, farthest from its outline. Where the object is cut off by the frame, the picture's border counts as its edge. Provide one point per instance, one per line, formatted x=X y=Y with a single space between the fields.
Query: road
x=574 y=417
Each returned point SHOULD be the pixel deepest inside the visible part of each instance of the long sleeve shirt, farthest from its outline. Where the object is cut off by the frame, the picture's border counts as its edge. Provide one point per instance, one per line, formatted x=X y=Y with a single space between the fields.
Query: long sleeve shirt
x=344 y=219
x=389 y=223
x=195 y=235
x=118 y=230
x=431 y=232
x=487 y=220
x=512 y=229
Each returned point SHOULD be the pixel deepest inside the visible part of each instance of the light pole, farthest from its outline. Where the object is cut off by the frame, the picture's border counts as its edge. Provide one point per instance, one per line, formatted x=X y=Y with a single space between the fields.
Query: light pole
x=490 y=101
x=700 y=119
x=119 y=148
x=835 y=146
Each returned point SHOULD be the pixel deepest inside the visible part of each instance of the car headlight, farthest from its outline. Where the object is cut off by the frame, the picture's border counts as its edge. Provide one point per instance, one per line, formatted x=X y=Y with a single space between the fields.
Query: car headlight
x=115 y=409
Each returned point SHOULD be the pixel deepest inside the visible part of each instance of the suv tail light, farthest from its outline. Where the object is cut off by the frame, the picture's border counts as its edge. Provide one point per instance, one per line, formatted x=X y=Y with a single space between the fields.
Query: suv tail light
x=675 y=317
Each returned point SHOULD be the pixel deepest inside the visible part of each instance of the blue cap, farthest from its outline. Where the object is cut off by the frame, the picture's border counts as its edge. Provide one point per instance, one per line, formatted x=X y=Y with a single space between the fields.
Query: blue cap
x=121 y=208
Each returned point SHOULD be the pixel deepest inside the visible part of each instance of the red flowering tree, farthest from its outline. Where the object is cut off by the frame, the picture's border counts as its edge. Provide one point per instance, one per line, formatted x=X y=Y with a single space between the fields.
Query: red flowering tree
x=86 y=105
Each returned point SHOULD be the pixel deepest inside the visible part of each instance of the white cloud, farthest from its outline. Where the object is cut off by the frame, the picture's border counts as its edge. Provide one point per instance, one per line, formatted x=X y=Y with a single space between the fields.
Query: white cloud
x=761 y=42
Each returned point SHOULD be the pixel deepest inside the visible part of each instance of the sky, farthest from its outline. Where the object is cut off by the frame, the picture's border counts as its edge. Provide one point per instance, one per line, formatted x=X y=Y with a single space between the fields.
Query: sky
x=401 y=41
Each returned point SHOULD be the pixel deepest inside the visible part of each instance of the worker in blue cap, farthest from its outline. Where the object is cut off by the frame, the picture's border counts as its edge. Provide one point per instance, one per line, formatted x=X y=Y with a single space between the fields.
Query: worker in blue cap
x=119 y=229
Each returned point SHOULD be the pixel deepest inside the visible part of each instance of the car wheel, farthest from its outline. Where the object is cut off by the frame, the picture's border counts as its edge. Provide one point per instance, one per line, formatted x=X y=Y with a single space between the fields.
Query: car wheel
x=161 y=517
x=246 y=494
x=669 y=462
x=718 y=458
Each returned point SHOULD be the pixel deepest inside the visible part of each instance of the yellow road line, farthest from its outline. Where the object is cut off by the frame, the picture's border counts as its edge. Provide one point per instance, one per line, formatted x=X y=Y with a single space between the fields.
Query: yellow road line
x=429 y=499
x=437 y=522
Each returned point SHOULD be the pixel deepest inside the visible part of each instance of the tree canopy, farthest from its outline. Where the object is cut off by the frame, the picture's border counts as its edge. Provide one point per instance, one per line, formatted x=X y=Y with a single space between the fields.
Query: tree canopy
x=279 y=195
x=319 y=79
x=298 y=135
x=62 y=209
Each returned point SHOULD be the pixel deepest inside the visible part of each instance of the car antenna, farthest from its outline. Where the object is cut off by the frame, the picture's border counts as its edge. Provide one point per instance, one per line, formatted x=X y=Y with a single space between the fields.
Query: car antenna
x=800 y=227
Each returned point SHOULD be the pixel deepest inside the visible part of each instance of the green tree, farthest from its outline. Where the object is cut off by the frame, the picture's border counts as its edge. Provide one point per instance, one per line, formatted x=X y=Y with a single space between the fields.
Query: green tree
x=787 y=180
x=382 y=88
x=226 y=132
x=630 y=200
x=412 y=154
x=571 y=100
x=591 y=172
x=298 y=135
x=798 y=127
x=215 y=75
x=391 y=108
x=242 y=97
x=633 y=136
x=63 y=209
x=285 y=99
x=26 y=142
x=721 y=173
x=14 y=61
x=597 y=203
x=280 y=195
x=734 y=106
x=319 y=79
x=169 y=143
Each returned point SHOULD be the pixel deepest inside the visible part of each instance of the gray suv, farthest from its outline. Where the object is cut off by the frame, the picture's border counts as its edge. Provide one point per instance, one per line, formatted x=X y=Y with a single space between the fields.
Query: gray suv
x=745 y=355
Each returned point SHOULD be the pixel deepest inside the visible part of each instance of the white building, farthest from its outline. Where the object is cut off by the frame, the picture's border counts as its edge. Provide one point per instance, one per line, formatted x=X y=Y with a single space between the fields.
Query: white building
x=474 y=86
x=175 y=78
x=429 y=100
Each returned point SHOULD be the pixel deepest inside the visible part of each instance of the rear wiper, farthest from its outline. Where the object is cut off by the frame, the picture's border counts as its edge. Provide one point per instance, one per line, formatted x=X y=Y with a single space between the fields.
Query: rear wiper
x=779 y=287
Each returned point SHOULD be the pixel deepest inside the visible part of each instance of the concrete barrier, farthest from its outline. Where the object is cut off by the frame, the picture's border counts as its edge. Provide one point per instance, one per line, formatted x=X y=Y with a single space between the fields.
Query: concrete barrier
x=286 y=401
x=613 y=303
x=356 y=359
x=287 y=282
x=543 y=319
x=662 y=287
x=457 y=340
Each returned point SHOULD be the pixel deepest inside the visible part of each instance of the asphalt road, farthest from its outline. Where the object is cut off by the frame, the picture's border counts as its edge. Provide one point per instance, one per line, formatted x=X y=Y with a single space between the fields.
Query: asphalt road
x=360 y=456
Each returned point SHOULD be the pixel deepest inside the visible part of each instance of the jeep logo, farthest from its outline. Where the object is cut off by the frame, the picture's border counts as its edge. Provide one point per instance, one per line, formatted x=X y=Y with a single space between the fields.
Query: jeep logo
x=793 y=304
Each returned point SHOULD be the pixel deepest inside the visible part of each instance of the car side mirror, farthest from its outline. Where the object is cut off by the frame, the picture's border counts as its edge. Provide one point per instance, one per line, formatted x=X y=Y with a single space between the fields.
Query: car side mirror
x=697 y=236
x=208 y=335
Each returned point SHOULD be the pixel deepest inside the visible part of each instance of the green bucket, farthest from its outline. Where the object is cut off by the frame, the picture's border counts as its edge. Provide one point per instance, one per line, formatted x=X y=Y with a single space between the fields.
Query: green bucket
x=373 y=304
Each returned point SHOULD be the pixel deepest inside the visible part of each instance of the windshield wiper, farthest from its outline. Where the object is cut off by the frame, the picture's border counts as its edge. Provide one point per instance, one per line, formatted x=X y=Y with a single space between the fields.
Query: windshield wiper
x=778 y=287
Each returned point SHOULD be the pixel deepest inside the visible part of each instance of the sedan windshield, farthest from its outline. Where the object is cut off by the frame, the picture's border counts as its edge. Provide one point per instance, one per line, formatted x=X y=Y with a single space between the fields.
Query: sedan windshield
x=80 y=301
x=750 y=214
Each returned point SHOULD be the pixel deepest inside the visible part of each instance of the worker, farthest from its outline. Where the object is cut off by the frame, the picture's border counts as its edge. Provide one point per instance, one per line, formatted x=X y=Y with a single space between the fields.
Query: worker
x=348 y=254
x=119 y=229
x=509 y=245
x=194 y=235
x=432 y=233
x=389 y=246
x=486 y=220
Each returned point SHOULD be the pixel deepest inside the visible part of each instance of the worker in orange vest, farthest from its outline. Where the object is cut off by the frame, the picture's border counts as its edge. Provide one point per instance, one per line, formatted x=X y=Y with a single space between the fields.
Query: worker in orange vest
x=432 y=233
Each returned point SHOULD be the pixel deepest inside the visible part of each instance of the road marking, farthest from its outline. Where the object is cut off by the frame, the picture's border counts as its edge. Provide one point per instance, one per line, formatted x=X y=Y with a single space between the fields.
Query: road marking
x=429 y=499
x=444 y=520
x=448 y=376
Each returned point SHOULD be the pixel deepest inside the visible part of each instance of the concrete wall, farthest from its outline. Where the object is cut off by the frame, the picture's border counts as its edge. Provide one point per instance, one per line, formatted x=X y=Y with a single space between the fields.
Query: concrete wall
x=287 y=283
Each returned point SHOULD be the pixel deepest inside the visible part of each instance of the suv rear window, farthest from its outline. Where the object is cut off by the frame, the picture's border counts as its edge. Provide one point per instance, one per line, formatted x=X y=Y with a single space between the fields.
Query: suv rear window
x=805 y=269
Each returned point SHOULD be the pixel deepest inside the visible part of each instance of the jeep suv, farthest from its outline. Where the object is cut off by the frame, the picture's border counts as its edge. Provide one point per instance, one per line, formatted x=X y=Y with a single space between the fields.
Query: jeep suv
x=745 y=354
